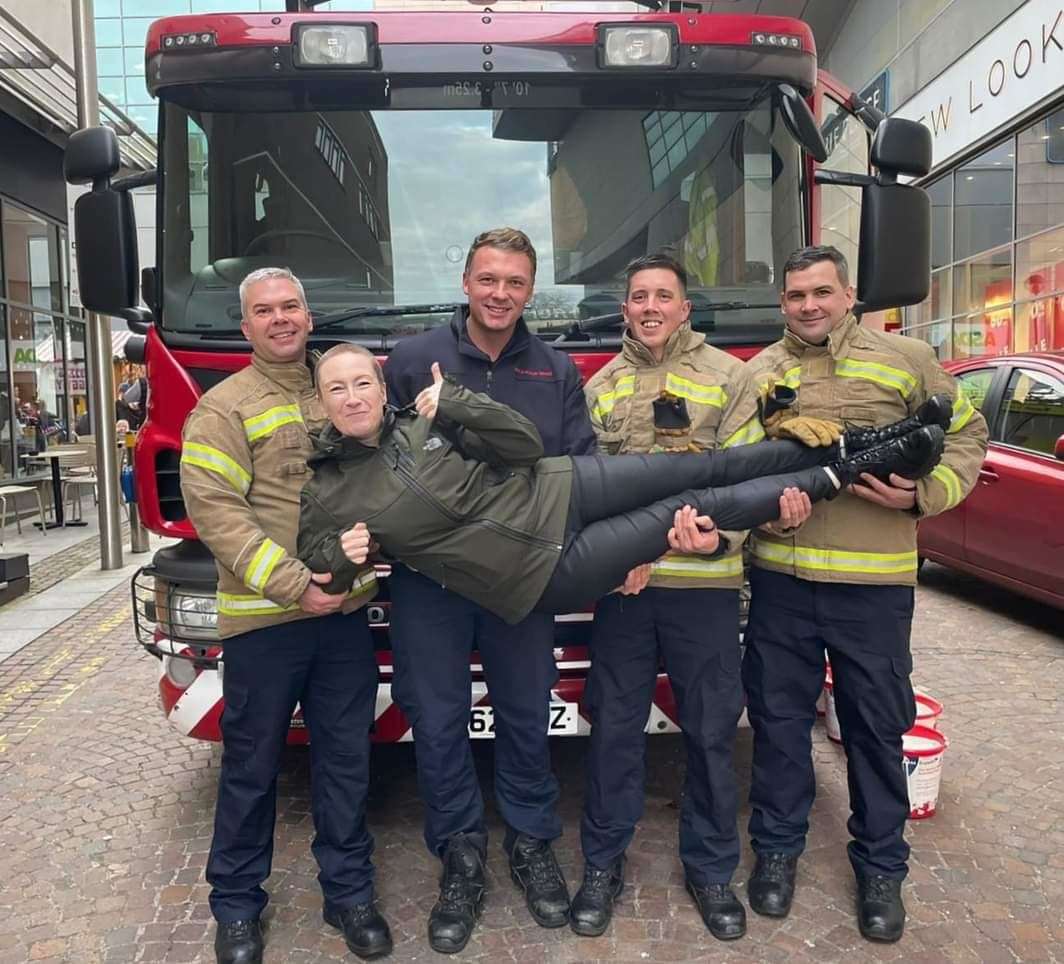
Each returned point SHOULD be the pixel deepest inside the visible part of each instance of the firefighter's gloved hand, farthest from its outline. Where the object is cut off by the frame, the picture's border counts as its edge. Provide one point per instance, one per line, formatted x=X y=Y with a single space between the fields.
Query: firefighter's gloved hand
x=814 y=432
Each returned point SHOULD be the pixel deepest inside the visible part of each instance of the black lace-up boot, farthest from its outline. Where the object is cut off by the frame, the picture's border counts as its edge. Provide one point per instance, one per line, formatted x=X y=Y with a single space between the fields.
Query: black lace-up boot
x=880 y=912
x=593 y=904
x=937 y=410
x=723 y=915
x=912 y=457
x=238 y=942
x=365 y=930
x=770 y=889
x=535 y=870
x=455 y=914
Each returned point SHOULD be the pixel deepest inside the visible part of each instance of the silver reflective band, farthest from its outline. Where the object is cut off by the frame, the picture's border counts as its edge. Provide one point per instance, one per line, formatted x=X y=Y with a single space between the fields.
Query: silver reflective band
x=638 y=46
x=334 y=45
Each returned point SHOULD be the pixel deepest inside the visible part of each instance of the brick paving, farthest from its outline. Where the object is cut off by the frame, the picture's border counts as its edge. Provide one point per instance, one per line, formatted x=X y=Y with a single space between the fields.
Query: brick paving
x=105 y=819
x=55 y=568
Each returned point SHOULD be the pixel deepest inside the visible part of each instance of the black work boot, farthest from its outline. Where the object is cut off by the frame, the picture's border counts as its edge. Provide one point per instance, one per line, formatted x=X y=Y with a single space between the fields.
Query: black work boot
x=880 y=912
x=238 y=942
x=770 y=889
x=364 y=929
x=723 y=915
x=534 y=869
x=455 y=914
x=593 y=904
x=937 y=410
x=912 y=457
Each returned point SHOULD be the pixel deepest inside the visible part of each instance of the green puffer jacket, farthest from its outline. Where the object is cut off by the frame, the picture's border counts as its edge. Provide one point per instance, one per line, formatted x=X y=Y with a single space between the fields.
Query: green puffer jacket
x=466 y=499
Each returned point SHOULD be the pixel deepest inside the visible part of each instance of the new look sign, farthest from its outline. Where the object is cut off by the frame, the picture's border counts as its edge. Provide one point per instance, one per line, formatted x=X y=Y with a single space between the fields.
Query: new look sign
x=1018 y=65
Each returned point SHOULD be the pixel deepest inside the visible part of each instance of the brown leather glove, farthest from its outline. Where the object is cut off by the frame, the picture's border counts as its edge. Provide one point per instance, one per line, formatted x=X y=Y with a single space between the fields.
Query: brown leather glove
x=814 y=432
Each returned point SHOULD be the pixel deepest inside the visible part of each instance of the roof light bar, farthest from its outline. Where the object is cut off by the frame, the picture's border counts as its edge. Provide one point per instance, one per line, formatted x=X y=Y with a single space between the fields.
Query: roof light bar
x=789 y=40
x=179 y=41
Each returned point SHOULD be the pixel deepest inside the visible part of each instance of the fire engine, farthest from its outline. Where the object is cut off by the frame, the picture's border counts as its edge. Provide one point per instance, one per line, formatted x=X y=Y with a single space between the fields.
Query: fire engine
x=364 y=150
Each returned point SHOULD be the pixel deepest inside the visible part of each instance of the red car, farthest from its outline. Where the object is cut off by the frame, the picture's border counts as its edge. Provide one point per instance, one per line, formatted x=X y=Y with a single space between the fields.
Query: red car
x=1009 y=529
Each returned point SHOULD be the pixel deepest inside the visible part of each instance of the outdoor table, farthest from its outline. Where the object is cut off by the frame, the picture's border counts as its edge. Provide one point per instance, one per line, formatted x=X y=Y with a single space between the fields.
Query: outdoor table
x=57 y=483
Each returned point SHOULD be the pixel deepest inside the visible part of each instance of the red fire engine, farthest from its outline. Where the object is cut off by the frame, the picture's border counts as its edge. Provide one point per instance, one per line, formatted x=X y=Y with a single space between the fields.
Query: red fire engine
x=364 y=150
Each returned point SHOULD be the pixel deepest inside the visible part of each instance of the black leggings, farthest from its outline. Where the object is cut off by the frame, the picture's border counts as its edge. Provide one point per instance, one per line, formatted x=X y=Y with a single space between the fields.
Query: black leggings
x=622 y=507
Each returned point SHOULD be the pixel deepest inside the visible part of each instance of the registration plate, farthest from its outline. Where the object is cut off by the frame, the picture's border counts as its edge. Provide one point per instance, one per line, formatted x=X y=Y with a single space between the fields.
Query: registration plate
x=561 y=721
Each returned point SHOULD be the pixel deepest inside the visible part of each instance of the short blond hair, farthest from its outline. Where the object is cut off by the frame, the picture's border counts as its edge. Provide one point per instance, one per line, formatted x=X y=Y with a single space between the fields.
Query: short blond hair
x=505 y=239
x=346 y=348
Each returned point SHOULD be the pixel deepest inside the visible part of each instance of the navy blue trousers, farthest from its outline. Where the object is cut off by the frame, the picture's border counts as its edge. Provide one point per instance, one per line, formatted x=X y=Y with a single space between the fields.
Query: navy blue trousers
x=327 y=665
x=865 y=630
x=696 y=632
x=433 y=631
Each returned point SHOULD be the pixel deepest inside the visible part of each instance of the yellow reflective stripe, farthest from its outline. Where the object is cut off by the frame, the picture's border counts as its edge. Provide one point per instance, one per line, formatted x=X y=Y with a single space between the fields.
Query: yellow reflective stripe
x=951 y=483
x=215 y=460
x=695 y=567
x=702 y=394
x=871 y=371
x=835 y=560
x=791 y=378
x=262 y=564
x=963 y=410
x=749 y=433
x=604 y=404
x=259 y=426
x=255 y=604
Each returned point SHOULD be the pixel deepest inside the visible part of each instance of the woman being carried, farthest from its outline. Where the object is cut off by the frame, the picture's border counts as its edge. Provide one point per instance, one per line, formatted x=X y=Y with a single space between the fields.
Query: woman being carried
x=460 y=490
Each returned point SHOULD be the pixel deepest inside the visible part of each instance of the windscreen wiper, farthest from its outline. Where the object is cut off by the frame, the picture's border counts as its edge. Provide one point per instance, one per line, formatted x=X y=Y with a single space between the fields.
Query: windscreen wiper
x=381 y=311
x=602 y=322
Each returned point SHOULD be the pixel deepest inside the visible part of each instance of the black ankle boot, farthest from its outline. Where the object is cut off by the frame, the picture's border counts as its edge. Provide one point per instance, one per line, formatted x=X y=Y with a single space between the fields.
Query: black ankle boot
x=535 y=870
x=912 y=457
x=365 y=930
x=723 y=915
x=880 y=912
x=937 y=410
x=770 y=889
x=592 y=907
x=455 y=914
x=238 y=942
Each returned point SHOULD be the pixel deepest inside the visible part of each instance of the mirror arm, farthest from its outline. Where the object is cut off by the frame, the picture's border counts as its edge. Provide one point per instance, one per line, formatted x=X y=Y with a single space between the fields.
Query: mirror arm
x=842 y=178
x=869 y=116
x=132 y=181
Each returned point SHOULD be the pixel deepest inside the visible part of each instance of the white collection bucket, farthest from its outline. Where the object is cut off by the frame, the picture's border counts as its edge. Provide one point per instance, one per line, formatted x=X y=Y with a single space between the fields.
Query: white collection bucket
x=831 y=718
x=923 y=749
x=928 y=710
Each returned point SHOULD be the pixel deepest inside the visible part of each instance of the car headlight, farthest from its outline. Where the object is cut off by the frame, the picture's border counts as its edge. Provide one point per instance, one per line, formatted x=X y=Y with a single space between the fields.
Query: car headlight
x=190 y=615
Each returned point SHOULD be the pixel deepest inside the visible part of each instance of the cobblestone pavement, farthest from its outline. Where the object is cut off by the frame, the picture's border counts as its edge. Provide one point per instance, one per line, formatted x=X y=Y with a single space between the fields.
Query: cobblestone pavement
x=105 y=819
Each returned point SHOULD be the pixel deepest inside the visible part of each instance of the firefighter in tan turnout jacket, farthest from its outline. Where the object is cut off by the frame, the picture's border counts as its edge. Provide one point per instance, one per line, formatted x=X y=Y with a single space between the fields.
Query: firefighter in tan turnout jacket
x=287 y=640
x=842 y=582
x=668 y=390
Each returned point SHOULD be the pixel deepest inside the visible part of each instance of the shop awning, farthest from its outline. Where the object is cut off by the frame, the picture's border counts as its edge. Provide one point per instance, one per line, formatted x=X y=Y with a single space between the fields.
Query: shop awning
x=118 y=343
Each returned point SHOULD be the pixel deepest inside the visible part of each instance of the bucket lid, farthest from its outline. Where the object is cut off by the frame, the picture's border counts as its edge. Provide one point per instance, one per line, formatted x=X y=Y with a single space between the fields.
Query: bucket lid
x=923 y=741
x=927 y=706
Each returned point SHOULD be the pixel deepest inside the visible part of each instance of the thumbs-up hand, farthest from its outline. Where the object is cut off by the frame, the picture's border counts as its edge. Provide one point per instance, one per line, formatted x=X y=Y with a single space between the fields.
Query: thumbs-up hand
x=428 y=399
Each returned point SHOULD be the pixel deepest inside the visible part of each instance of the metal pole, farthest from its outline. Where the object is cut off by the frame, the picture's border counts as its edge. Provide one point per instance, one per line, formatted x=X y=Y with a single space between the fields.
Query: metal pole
x=98 y=328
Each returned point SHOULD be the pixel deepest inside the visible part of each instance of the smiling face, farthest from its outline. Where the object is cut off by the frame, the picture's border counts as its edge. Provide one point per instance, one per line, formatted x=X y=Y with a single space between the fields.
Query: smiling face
x=276 y=321
x=499 y=285
x=815 y=300
x=353 y=395
x=654 y=308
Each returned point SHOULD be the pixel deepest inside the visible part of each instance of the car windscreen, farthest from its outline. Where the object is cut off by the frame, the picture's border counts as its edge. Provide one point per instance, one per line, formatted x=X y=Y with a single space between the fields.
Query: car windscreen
x=376 y=209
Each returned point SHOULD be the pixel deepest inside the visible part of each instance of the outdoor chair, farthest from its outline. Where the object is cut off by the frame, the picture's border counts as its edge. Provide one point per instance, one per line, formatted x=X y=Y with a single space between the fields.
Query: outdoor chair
x=79 y=473
x=12 y=492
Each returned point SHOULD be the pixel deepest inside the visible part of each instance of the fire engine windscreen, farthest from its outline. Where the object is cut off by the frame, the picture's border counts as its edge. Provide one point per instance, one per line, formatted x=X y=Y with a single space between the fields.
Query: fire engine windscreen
x=377 y=208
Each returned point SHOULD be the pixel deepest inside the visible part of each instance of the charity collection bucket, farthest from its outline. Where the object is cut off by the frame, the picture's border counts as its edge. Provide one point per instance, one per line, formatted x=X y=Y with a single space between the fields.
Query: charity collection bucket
x=831 y=718
x=928 y=710
x=923 y=749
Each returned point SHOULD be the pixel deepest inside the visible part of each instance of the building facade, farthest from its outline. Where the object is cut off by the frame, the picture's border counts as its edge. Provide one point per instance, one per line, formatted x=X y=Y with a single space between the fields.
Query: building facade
x=987 y=78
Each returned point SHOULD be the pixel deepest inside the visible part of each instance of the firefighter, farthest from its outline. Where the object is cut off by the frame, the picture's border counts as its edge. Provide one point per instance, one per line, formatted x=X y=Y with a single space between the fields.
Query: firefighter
x=488 y=348
x=667 y=390
x=286 y=640
x=844 y=583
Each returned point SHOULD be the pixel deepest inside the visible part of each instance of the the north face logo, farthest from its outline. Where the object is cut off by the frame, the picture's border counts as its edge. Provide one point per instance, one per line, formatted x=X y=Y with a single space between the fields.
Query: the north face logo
x=432 y=443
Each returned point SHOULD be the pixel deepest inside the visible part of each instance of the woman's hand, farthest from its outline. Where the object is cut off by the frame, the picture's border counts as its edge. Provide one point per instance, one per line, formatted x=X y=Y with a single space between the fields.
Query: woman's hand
x=357 y=543
x=693 y=533
x=428 y=399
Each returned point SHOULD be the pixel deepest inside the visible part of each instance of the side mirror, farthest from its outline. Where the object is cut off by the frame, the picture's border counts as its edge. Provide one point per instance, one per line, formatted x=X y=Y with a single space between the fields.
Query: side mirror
x=1058 y=449
x=799 y=121
x=901 y=147
x=91 y=155
x=895 y=244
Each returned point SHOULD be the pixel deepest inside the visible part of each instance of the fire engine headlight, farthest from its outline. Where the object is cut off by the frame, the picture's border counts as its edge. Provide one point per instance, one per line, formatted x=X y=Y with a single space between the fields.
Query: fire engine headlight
x=637 y=46
x=336 y=45
x=192 y=616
